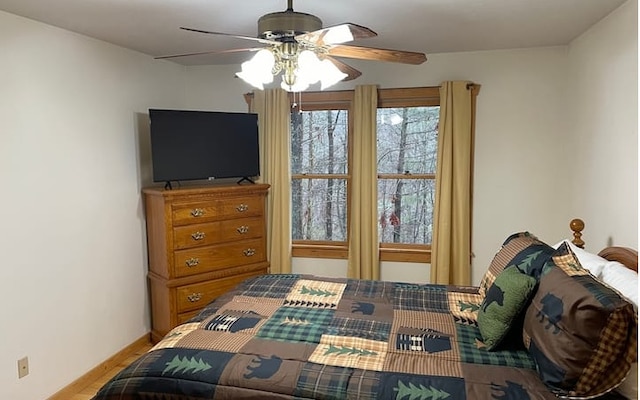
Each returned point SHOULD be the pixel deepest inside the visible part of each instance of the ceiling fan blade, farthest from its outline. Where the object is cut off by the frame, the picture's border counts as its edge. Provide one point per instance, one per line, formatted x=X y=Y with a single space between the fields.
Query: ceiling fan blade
x=370 y=53
x=336 y=34
x=255 y=39
x=209 y=52
x=351 y=72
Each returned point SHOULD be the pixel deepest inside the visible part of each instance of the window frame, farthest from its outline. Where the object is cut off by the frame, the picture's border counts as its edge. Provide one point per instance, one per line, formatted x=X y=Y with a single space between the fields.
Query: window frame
x=387 y=98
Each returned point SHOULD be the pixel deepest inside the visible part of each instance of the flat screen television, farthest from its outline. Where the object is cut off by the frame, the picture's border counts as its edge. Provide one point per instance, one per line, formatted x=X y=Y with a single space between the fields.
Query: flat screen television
x=194 y=145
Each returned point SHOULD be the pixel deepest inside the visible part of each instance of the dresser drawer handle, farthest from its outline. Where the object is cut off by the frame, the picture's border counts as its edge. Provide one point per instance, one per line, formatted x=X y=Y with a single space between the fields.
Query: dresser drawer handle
x=198 y=235
x=243 y=229
x=242 y=208
x=249 y=252
x=197 y=212
x=194 y=297
x=192 y=262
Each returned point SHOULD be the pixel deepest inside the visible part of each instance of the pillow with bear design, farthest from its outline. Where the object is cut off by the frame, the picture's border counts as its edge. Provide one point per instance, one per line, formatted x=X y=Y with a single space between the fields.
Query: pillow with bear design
x=580 y=333
x=504 y=301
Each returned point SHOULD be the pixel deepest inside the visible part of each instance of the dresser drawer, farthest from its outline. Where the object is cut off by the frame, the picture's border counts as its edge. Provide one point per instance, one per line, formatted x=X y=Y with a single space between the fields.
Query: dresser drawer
x=211 y=258
x=211 y=210
x=198 y=295
x=188 y=236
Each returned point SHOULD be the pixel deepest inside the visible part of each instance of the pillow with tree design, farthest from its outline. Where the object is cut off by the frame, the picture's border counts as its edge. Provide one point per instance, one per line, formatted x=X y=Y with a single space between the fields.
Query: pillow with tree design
x=521 y=249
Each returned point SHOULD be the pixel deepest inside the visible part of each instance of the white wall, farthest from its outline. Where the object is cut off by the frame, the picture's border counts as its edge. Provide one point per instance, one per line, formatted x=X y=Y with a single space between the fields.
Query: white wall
x=603 y=110
x=216 y=88
x=73 y=285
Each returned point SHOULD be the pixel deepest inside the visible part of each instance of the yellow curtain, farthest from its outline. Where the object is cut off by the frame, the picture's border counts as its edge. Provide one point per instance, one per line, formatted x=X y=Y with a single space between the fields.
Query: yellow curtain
x=364 y=260
x=272 y=107
x=451 y=246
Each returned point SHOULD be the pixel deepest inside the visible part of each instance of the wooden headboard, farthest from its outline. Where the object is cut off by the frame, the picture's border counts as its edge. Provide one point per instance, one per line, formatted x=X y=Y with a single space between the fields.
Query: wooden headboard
x=624 y=255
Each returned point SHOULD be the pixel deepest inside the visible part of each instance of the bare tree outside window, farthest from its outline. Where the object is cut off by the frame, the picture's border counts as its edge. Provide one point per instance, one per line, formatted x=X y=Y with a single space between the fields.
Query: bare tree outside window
x=407 y=151
x=319 y=168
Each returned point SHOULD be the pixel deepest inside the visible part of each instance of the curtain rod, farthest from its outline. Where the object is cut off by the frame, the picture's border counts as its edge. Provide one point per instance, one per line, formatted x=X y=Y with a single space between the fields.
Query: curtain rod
x=470 y=86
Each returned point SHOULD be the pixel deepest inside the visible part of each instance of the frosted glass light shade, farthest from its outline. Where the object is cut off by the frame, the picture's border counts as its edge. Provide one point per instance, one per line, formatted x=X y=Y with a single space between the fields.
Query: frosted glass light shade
x=259 y=70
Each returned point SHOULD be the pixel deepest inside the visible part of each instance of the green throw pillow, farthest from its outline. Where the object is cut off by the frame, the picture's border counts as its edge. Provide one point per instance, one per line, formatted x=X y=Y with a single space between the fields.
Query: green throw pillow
x=505 y=299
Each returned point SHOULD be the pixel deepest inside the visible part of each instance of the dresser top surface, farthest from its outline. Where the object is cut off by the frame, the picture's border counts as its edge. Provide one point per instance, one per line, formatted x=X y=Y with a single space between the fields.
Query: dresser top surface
x=206 y=190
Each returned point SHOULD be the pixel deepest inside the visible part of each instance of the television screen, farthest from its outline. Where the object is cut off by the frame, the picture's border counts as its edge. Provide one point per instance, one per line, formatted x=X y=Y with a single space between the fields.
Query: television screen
x=190 y=145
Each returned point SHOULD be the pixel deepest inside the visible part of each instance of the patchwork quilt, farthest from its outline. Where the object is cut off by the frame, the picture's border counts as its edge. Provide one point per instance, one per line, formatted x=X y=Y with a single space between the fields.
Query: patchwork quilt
x=304 y=337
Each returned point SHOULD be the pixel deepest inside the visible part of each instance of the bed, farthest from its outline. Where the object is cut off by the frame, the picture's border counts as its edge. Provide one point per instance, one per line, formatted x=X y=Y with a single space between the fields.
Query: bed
x=539 y=326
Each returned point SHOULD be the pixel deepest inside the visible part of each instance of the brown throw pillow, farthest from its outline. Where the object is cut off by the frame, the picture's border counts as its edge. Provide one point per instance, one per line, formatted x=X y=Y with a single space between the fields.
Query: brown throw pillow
x=581 y=333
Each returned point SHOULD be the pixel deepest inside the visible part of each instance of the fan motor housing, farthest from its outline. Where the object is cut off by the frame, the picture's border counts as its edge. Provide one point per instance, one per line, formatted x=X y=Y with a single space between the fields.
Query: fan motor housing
x=285 y=24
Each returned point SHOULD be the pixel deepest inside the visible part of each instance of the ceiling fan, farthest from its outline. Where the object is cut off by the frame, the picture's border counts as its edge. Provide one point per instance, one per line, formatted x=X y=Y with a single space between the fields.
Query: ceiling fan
x=296 y=45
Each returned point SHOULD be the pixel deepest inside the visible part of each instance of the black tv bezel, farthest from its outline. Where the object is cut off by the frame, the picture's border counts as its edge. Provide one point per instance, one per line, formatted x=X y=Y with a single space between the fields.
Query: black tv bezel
x=168 y=178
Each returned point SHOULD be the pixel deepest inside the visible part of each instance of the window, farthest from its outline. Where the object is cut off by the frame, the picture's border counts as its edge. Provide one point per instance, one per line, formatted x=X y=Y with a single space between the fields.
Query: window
x=407 y=125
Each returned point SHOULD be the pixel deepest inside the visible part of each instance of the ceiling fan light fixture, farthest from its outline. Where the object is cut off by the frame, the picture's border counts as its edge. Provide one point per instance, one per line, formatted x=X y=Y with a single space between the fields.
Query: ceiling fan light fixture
x=300 y=69
x=310 y=69
x=259 y=70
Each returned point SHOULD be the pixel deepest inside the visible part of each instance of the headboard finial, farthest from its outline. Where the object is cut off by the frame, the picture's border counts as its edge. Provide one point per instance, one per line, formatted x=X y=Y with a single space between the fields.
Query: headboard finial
x=577 y=225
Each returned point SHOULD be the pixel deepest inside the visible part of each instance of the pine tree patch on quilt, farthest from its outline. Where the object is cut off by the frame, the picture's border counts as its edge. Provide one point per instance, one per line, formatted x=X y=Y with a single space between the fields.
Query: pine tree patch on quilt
x=315 y=294
x=350 y=352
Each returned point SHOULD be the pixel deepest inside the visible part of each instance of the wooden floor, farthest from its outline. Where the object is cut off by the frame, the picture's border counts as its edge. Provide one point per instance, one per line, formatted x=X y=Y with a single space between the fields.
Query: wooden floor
x=92 y=388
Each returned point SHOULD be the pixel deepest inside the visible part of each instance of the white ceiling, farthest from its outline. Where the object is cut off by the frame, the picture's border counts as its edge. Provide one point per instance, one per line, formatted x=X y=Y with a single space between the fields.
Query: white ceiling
x=429 y=26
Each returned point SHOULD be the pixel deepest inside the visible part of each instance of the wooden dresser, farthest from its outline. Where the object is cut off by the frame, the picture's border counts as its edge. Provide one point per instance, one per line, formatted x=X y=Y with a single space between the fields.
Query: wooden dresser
x=202 y=241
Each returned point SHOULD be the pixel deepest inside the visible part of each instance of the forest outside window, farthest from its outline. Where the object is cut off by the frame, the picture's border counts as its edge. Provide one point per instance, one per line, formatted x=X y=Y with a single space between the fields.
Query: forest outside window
x=407 y=131
x=407 y=149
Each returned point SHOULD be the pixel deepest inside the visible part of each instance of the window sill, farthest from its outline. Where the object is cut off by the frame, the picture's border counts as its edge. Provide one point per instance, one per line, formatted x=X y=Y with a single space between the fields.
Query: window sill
x=320 y=251
x=387 y=253
x=415 y=255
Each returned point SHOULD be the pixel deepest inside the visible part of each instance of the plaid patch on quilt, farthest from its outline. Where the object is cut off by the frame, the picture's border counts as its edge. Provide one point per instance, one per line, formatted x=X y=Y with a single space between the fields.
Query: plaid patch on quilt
x=296 y=324
x=305 y=337
x=473 y=351
x=317 y=380
x=421 y=298
x=275 y=286
x=356 y=327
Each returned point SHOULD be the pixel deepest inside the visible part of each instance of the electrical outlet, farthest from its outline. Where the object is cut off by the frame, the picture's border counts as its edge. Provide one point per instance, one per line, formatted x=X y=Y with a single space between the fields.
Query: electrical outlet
x=23 y=367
